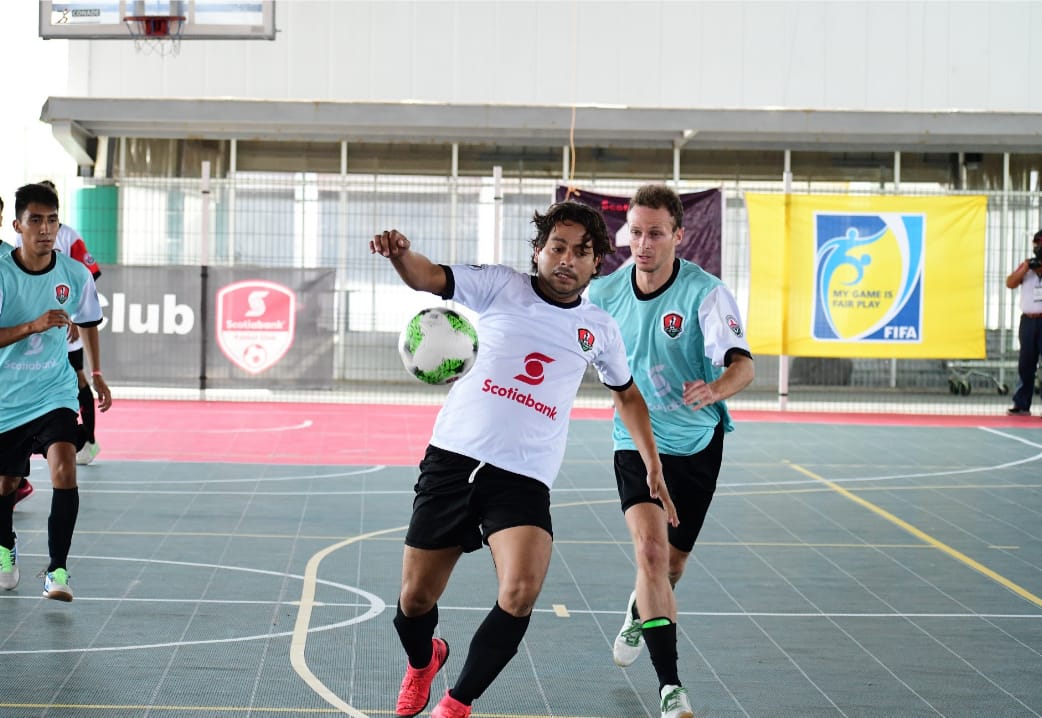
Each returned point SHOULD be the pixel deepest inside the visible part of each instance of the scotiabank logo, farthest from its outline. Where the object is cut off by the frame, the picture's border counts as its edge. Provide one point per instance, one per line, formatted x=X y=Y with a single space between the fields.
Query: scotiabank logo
x=534 y=364
x=511 y=393
x=533 y=376
x=255 y=323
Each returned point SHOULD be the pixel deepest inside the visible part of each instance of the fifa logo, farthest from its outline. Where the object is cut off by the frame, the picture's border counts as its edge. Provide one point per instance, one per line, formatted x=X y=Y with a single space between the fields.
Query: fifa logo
x=868 y=277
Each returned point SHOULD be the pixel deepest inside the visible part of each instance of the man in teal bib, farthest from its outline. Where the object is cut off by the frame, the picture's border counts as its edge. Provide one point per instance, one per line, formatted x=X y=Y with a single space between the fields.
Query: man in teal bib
x=687 y=350
x=42 y=292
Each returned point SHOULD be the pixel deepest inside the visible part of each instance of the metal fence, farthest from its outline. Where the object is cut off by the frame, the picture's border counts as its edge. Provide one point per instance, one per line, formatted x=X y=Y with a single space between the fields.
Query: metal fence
x=308 y=220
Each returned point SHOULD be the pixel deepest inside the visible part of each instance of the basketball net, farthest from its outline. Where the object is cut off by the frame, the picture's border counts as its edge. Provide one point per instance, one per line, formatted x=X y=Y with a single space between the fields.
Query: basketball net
x=156 y=34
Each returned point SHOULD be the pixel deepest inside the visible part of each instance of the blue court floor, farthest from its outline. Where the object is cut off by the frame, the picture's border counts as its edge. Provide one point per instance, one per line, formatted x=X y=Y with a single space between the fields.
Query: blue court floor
x=844 y=570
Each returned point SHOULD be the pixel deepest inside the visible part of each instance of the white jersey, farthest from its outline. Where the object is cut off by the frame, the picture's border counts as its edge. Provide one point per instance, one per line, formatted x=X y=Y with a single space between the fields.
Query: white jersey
x=511 y=410
x=69 y=242
x=1031 y=293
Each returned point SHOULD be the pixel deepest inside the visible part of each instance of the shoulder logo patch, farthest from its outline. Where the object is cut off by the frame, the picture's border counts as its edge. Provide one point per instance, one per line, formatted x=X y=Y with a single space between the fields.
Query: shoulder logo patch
x=733 y=325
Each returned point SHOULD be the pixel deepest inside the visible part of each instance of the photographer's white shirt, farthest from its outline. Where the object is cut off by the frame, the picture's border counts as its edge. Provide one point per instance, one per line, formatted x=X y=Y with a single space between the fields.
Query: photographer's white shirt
x=1031 y=293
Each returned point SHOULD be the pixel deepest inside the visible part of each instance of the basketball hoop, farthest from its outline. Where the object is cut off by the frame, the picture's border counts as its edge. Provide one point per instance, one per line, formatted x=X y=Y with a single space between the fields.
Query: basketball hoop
x=156 y=34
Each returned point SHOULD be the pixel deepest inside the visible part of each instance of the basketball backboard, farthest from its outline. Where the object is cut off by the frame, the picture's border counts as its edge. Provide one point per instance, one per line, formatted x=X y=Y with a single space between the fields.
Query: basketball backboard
x=203 y=19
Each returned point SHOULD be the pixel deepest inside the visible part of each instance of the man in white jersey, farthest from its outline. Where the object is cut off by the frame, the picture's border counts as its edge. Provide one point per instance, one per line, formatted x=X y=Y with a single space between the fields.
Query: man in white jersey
x=499 y=440
x=1027 y=278
x=688 y=353
x=69 y=242
x=41 y=292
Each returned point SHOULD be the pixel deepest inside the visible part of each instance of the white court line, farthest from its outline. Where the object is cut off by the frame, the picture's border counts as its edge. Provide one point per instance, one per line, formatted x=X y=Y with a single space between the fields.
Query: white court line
x=94 y=482
x=306 y=424
x=298 y=643
x=376 y=607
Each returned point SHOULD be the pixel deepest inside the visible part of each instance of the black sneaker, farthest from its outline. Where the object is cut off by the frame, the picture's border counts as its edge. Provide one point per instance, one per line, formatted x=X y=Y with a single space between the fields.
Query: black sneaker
x=1017 y=411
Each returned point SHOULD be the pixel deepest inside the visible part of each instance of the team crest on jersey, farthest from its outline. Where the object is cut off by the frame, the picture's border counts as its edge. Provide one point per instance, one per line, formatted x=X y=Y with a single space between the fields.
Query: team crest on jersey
x=733 y=325
x=256 y=322
x=673 y=325
x=88 y=258
x=61 y=293
x=586 y=339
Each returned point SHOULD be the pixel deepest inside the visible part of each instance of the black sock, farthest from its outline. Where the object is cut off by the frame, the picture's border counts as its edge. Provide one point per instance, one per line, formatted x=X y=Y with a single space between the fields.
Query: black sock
x=660 y=636
x=86 y=397
x=7 y=520
x=494 y=644
x=65 y=506
x=416 y=633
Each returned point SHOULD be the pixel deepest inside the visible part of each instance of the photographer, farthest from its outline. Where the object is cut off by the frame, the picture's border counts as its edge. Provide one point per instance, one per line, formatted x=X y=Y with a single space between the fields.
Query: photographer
x=1028 y=276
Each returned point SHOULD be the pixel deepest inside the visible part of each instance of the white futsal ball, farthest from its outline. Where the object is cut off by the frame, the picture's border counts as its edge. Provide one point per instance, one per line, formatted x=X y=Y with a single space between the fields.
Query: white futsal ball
x=438 y=345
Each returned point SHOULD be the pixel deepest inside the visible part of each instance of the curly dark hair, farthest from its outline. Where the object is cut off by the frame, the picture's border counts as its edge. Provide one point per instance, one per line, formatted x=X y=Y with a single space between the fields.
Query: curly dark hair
x=659 y=196
x=596 y=236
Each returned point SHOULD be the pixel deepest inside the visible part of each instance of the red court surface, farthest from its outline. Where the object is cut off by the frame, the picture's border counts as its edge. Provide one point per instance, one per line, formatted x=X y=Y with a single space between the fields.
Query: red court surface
x=355 y=434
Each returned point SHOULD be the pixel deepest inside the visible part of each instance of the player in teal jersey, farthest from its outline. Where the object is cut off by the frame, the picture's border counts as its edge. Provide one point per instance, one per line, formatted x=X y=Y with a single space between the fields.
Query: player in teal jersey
x=688 y=353
x=41 y=293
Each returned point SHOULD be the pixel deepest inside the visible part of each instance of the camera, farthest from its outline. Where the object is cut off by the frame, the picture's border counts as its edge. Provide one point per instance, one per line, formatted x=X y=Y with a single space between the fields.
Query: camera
x=1036 y=261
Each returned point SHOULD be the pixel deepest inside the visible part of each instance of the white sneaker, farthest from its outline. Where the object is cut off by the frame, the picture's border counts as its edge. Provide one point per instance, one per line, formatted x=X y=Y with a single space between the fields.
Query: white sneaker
x=9 y=567
x=56 y=585
x=630 y=641
x=88 y=453
x=675 y=703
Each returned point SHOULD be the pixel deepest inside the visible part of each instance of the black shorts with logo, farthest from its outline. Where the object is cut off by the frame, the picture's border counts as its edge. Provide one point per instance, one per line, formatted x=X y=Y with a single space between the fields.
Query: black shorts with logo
x=35 y=437
x=691 y=481
x=461 y=501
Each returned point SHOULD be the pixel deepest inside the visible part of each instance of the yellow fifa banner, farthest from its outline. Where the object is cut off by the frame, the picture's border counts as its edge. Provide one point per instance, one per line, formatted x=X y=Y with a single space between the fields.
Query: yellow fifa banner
x=849 y=276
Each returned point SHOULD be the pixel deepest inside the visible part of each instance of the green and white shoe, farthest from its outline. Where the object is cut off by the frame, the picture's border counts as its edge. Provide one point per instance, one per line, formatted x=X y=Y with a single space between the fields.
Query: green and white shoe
x=630 y=641
x=9 y=567
x=675 y=703
x=56 y=585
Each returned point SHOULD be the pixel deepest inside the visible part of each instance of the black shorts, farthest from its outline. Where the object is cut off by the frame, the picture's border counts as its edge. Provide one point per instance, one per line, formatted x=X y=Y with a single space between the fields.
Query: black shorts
x=35 y=437
x=691 y=481
x=461 y=501
x=76 y=359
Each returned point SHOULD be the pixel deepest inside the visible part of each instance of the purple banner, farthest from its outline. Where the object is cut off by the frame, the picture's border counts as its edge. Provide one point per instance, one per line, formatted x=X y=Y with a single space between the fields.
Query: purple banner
x=702 y=226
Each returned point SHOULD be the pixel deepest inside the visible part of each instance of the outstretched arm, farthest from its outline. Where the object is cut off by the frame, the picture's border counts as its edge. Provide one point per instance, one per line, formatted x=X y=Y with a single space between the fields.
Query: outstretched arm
x=416 y=271
x=634 y=414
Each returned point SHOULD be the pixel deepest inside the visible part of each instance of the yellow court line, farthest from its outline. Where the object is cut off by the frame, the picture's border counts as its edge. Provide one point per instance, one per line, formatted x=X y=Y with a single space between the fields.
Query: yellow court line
x=922 y=535
x=300 y=628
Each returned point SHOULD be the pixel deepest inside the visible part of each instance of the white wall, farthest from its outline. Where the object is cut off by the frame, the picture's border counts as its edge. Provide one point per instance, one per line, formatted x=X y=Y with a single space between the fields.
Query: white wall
x=34 y=69
x=857 y=55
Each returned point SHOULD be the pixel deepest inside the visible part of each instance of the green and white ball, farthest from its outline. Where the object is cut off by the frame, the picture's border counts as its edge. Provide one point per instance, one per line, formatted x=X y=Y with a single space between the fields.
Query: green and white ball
x=438 y=345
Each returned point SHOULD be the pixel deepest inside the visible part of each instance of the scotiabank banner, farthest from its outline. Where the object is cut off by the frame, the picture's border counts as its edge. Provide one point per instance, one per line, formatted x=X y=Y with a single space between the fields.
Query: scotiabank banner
x=217 y=327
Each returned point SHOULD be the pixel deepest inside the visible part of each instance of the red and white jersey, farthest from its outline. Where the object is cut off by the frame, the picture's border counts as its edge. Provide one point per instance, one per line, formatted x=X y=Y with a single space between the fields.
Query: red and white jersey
x=69 y=242
x=511 y=410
